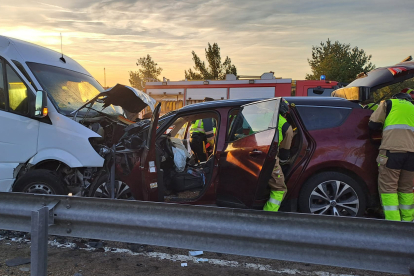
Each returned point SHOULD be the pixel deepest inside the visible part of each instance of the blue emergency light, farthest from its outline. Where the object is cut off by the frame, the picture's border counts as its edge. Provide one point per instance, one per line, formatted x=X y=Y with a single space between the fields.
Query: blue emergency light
x=323 y=77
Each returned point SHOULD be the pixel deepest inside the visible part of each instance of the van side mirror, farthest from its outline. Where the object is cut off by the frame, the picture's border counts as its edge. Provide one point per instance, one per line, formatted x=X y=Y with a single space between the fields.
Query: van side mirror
x=41 y=105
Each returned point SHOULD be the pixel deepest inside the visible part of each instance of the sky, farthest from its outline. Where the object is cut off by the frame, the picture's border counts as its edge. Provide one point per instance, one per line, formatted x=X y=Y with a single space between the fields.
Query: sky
x=258 y=36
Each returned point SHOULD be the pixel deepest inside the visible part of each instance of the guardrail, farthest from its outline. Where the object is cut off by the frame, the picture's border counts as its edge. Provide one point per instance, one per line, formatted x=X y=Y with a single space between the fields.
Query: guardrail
x=358 y=243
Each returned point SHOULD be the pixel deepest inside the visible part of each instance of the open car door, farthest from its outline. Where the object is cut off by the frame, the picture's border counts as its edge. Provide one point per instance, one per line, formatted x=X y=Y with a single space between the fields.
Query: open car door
x=148 y=161
x=252 y=144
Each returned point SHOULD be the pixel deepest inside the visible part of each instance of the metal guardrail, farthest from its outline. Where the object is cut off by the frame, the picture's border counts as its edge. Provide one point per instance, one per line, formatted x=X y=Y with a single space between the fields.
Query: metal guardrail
x=358 y=243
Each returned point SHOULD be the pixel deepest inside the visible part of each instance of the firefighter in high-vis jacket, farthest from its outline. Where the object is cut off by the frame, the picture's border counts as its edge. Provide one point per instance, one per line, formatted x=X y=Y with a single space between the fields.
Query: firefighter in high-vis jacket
x=396 y=156
x=202 y=136
x=277 y=181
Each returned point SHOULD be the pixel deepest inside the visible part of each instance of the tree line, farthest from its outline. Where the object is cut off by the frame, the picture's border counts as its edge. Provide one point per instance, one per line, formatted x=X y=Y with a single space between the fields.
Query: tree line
x=337 y=61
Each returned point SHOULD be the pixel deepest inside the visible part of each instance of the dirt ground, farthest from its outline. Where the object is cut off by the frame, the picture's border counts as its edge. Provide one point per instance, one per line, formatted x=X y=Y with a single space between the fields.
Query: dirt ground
x=69 y=257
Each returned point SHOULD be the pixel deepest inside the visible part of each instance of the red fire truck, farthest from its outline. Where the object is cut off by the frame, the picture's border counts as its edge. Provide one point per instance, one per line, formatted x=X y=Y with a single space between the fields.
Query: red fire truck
x=175 y=94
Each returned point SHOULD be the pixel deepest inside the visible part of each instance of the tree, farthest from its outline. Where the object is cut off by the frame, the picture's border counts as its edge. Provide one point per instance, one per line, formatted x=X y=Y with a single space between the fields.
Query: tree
x=338 y=62
x=149 y=72
x=215 y=70
x=386 y=92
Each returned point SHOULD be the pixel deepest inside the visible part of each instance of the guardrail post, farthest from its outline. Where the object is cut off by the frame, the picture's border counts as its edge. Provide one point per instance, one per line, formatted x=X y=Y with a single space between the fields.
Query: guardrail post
x=39 y=241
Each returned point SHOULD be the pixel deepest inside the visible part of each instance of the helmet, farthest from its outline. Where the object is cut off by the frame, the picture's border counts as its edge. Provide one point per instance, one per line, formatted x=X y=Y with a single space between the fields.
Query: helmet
x=402 y=96
x=408 y=91
x=284 y=107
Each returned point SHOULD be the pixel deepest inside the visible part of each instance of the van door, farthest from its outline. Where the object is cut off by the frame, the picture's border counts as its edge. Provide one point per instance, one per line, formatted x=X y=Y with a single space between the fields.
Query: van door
x=18 y=132
x=148 y=161
x=253 y=140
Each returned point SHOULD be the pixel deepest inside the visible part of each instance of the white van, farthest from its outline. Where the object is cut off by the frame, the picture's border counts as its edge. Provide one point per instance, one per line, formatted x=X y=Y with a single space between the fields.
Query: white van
x=49 y=142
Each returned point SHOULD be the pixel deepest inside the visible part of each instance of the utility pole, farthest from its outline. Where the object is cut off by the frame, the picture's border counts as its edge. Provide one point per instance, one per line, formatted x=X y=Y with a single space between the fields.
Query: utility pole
x=104 y=78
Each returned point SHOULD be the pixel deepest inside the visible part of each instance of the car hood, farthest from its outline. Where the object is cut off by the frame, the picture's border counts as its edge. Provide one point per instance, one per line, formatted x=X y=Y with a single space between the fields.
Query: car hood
x=360 y=89
x=129 y=98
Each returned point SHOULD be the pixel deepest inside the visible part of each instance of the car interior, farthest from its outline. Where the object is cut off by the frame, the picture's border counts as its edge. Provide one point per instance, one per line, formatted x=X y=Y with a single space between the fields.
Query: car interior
x=183 y=178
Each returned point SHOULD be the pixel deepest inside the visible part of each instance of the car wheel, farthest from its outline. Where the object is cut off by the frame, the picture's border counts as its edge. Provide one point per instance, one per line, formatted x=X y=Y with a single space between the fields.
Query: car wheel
x=102 y=189
x=332 y=193
x=41 y=182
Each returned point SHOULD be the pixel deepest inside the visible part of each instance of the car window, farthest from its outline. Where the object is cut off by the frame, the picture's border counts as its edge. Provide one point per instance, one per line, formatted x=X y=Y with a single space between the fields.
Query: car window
x=326 y=92
x=232 y=118
x=320 y=117
x=2 y=91
x=181 y=133
x=255 y=118
x=17 y=90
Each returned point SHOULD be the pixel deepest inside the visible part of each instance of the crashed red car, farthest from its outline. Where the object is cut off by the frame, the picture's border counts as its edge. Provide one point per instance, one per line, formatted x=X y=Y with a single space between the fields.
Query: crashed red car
x=331 y=171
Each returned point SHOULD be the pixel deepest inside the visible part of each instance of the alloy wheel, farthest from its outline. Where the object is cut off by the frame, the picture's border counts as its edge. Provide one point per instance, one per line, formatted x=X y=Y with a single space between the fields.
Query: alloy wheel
x=335 y=198
x=122 y=190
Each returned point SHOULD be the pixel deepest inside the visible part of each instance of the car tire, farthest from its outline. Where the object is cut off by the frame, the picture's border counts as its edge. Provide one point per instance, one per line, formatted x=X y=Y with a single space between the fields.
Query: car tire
x=41 y=182
x=101 y=190
x=332 y=193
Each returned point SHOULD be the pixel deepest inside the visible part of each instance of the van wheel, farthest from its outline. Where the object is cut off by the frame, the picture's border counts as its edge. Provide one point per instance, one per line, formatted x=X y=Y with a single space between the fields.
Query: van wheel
x=102 y=189
x=41 y=182
x=332 y=193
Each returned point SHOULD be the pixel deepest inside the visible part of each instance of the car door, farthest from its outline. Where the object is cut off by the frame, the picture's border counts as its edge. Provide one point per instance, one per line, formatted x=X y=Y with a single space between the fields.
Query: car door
x=18 y=132
x=148 y=161
x=252 y=142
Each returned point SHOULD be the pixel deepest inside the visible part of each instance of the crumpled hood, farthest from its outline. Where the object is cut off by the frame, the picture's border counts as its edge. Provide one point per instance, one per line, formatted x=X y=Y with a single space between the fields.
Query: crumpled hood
x=360 y=88
x=129 y=98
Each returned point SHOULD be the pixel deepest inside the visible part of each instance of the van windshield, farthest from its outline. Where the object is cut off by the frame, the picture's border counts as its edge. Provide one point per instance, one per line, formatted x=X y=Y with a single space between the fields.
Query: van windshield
x=69 y=90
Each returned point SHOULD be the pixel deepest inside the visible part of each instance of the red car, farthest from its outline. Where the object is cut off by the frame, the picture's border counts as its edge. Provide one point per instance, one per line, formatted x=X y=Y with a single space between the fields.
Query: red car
x=332 y=169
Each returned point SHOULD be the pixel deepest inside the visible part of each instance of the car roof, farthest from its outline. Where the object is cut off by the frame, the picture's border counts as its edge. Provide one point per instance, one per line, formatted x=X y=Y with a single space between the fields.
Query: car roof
x=314 y=101
x=322 y=101
x=218 y=104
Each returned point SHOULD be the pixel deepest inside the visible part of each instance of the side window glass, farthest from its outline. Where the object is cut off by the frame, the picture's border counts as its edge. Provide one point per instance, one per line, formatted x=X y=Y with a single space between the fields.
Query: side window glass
x=255 y=118
x=322 y=117
x=232 y=118
x=18 y=99
x=2 y=90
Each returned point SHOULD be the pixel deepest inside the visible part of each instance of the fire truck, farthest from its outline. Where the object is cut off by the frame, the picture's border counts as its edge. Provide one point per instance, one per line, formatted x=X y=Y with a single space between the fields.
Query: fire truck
x=176 y=94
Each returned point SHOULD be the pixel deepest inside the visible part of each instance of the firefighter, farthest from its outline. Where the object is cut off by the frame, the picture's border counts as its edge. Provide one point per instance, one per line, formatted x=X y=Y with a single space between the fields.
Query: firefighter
x=396 y=156
x=202 y=136
x=277 y=181
x=409 y=91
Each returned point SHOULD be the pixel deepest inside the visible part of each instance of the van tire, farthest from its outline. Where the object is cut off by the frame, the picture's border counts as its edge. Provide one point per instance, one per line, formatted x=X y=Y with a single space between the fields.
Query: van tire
x=350 y=192
x=41 y=181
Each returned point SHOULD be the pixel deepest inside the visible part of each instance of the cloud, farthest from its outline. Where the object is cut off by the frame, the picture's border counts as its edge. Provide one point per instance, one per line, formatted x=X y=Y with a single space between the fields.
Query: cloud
x=258 y=36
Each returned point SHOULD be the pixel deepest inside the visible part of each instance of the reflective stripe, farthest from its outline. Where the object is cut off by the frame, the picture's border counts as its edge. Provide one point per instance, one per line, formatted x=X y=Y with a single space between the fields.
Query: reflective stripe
x=406 y=207
x=399 y=127
x=210 y=132
x=274 y=201
x=390 y=208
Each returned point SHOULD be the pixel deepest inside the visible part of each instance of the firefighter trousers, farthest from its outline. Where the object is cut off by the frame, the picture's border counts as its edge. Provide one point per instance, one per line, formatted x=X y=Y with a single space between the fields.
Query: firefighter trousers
x=277 y=188
x=198 y=143
x=395 y=184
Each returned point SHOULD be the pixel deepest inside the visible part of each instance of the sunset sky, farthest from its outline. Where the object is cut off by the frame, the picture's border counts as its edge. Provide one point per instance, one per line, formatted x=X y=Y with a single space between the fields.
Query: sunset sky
x=258 y=36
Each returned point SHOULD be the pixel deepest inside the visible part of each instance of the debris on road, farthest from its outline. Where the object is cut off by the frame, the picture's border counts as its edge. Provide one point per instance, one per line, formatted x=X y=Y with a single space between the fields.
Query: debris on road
x=195 y=253
x=18 y=261
x=183 y=264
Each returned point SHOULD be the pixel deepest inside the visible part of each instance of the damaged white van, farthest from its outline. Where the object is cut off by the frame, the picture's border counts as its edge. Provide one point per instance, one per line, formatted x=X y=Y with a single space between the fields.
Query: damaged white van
x=57 y=124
